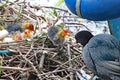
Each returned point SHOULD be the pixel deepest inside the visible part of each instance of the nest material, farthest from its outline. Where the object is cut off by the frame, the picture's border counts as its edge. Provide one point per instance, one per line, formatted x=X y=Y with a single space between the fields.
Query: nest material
x=33 y=59
x=37 y=59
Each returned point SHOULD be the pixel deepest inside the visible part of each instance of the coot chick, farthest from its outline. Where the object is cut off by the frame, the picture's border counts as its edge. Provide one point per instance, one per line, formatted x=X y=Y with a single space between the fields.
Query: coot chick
x=57 y=35
x=101 y=54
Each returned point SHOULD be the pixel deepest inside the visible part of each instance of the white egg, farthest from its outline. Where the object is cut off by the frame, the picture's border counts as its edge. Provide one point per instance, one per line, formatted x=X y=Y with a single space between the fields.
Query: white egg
x=3 y=34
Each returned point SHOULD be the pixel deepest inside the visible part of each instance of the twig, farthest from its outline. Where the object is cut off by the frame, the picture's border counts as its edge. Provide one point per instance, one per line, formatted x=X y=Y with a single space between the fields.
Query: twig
x=29 y=49
x=51 y=72
x=31 y=65
x=70 y=62
x=11 y=78
x=39 y=7
x=14 y=68
x=42 y=60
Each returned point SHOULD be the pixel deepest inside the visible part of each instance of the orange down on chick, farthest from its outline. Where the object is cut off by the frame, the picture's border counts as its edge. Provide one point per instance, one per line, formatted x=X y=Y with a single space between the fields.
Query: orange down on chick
x=27 y=33
x=20 y=36
x=17 y=37
x=29 y=26
x=57 y=36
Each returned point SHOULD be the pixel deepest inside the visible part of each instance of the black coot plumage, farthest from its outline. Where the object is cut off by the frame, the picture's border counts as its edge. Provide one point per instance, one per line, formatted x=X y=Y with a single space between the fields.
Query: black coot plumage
x=101 y=54
x=13 y=27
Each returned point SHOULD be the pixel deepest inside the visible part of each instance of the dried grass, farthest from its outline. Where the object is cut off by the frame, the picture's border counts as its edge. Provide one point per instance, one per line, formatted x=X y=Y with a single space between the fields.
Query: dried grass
x=37 y=58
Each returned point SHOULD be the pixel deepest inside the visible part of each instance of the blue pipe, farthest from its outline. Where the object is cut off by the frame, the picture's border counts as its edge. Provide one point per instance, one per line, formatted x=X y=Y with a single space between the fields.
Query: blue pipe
x=96 y=10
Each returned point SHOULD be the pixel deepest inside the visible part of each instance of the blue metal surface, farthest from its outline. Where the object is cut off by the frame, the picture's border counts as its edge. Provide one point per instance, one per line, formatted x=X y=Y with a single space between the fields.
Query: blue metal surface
x=97 y=10
x=114 y=26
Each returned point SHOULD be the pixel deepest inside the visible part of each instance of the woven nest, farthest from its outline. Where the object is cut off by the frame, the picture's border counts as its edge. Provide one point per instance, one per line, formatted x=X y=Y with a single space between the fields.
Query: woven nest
x=30 y=59
x=37 y=59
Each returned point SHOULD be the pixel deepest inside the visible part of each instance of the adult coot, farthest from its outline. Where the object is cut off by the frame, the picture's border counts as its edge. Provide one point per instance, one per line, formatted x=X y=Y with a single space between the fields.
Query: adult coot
x=101 y=54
